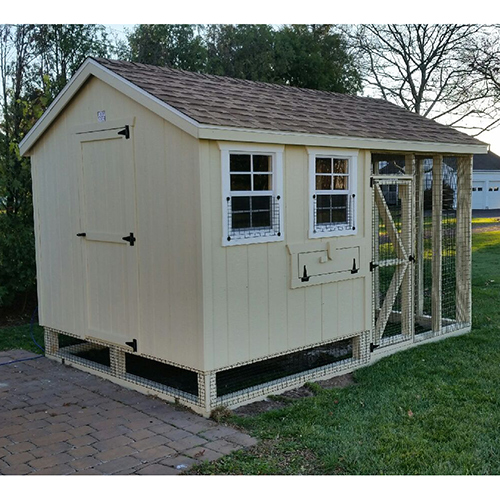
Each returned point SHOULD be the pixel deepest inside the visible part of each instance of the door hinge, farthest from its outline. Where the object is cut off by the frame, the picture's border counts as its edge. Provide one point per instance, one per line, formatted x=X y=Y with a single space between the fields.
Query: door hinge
x=131 y=239
x=371 y=182
x=132 y=344
x=125 y=132
x=373 y=346
x=372 y=266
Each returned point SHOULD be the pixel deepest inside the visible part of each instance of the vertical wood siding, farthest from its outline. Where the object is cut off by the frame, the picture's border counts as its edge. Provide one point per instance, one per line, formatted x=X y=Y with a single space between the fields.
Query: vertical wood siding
x=250 y=311
x=168 y=226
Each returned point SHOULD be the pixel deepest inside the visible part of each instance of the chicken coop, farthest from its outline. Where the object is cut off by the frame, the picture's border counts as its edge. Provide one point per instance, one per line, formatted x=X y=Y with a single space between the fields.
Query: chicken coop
x=212 y=240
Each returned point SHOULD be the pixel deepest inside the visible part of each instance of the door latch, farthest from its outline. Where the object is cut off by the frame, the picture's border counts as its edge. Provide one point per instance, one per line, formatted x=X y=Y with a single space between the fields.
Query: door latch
x=81 y=235
x=131 y=239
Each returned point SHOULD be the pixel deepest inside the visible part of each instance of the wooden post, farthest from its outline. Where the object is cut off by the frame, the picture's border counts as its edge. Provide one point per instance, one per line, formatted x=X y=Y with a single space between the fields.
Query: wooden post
x=464 y=240
x=437 y=241
x=419 y=237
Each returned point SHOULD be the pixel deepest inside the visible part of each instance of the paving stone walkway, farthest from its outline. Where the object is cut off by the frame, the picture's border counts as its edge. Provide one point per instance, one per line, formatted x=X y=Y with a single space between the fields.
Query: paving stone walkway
x=55 y=419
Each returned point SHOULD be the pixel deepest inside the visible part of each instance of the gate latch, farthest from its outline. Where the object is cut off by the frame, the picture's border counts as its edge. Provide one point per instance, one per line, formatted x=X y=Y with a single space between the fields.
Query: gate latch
x=131 y=239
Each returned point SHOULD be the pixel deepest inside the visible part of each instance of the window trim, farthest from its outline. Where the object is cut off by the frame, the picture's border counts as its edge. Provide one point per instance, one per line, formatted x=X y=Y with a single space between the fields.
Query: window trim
x=276 y=152
x=342 y=154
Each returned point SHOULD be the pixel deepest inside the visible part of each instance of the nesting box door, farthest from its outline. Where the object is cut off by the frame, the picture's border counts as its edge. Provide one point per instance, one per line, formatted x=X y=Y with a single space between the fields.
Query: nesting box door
x=108 y=234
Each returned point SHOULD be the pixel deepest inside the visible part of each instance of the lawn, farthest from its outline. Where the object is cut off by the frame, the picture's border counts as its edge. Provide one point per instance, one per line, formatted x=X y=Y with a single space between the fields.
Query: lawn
x=434 y=409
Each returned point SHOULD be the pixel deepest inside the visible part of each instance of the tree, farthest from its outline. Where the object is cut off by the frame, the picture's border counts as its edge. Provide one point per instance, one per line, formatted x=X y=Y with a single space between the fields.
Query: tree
x=311 y=56
x=242 y=51
x=35 y=62
x=61 y=49
x=174 y=45
x=314 y=56
x=424 y=69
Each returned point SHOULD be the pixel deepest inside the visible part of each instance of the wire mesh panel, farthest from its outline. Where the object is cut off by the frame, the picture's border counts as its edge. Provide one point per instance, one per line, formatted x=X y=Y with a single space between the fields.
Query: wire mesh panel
x=449 y=242
x=253 y=217
x=423 y=248
x=392 y=260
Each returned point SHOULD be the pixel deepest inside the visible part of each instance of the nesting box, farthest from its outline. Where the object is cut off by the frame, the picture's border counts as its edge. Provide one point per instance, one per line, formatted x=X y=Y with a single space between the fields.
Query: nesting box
x=213 y=240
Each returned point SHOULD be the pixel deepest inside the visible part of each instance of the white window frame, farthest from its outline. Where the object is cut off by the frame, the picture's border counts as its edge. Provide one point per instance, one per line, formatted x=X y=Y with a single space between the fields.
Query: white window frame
x=316 y=231
x=276 y=153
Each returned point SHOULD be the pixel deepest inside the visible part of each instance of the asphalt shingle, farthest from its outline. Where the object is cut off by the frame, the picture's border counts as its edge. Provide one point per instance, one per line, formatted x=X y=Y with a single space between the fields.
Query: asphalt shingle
x=231 y=102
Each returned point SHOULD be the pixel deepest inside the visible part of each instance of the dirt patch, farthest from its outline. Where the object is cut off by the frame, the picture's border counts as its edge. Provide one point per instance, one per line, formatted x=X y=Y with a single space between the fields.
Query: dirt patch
x=288 y=397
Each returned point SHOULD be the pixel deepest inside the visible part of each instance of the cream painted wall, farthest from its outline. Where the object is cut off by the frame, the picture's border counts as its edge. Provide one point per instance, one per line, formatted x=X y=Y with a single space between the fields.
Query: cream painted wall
x=168 y=226
x=250 y=310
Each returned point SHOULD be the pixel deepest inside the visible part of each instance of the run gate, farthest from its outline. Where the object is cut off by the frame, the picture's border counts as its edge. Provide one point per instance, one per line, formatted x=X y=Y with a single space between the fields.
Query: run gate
x=393 y=260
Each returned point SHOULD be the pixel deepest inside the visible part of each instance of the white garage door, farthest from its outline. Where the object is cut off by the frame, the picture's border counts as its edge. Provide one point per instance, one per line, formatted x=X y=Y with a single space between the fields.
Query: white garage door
x=494 y=195
x=478 y=195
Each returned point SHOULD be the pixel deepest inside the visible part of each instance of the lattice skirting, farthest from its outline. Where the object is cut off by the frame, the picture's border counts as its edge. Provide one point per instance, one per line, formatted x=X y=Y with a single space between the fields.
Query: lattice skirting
x=199 y=390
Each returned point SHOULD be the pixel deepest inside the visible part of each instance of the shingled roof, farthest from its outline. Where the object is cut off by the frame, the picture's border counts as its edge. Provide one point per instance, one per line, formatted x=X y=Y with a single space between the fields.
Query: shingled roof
x=230 y=102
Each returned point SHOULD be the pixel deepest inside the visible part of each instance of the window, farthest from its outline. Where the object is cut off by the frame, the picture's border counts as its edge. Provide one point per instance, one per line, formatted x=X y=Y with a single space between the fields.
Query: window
x=332 y=190
x=252 y=192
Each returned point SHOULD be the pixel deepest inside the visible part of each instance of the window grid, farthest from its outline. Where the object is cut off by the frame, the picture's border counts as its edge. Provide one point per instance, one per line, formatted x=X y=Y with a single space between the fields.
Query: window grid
x=253 y=207
x=333 y=201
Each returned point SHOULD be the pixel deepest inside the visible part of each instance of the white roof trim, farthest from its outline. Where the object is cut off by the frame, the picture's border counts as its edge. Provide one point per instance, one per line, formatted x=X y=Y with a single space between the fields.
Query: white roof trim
x=202 y=131
x=215 y=132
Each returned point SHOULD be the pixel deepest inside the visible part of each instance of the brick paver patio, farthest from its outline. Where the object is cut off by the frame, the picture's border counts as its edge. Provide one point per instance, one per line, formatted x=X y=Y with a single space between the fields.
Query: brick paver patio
x=55 y=419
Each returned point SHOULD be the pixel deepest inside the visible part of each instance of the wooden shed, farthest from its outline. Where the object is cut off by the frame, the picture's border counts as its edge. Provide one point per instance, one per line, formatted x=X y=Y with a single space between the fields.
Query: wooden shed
x=213 y=240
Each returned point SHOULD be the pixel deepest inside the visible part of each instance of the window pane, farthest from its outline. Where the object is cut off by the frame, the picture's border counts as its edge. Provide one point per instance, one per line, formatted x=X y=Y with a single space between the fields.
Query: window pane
x=340 y=166
x=324 y=201
x=339 y=182
x=240 y=220
x=240 y=203
x=261 y=202
x=323 y=216
x=339 y=201
x=262 y=182
x=339 y=215
x=323 y=182
x=323 y=165
x=262 y=163
x=240 y=182
x=239 y=163
x=261 y=219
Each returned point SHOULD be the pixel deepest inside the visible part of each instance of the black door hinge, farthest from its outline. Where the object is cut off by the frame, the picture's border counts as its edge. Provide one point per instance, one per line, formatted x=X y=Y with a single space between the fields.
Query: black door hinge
x=373 y=346
x=372 y=266
x=371 y=182
x=125 y=132
x=131 y=239
x=132 y=344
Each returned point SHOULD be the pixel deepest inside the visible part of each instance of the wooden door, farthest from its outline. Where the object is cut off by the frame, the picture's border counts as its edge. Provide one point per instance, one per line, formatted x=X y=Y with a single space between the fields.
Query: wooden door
x=108 y=232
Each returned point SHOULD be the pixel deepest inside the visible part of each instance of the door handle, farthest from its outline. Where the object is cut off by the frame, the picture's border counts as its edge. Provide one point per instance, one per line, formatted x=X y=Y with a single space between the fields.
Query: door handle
x=81 y=235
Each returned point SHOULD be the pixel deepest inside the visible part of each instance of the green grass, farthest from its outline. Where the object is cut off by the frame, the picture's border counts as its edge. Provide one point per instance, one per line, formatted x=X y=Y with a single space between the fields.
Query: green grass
x=19 y=337
x=431 y=410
